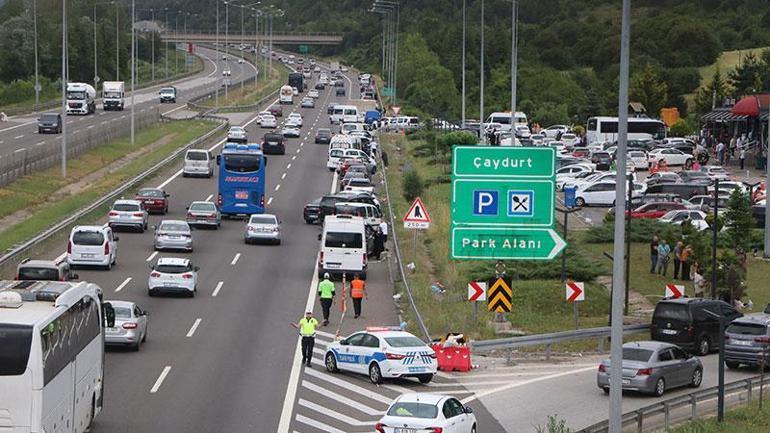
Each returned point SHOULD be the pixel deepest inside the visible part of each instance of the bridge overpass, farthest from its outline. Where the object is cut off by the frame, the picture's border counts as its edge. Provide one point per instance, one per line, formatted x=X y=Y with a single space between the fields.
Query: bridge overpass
x=278 y=38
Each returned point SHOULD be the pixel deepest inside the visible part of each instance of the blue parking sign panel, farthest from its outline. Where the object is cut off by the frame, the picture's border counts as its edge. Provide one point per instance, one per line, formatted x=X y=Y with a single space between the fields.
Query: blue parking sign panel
x=485 y=202
x=521 y=203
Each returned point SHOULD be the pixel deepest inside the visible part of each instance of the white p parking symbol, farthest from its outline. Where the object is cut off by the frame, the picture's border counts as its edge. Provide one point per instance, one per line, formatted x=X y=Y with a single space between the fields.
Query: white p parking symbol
x=485 y=202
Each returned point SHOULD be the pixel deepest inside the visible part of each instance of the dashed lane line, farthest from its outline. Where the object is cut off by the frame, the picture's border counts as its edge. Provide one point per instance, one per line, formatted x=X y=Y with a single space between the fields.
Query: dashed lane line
x=194 y=327
x=123 y=284
x=277 y=187
x=152 y=256
x=217 y=288
x=209 y=197
x=235 y=259
x=270 y=200
x=160 y=379
x=283 y=176
x=18 y=137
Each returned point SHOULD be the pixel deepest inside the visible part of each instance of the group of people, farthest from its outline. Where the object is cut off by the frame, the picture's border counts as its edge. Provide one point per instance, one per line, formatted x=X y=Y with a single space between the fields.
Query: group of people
x=685 y=268
x=727 y=148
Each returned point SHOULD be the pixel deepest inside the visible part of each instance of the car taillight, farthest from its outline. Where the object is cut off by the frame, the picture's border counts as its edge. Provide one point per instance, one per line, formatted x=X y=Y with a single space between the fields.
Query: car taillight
x=435 y=429
x=763 y=340
x=106 y=248
x=219 y=199
x=212 y=215
x=69 y=247
x=644 y=372
x=321 y=258
x=394 y=356
x=138 y=214
x=129 y=325
x=366 y=259
x=380 y=427
x=262 y=201
x=154 y=274
x=187 y=276
x=602 y=368
x=113 y=214
x=690 y=330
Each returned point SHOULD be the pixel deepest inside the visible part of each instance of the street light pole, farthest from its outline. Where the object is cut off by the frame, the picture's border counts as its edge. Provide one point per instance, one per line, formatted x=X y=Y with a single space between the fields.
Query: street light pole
x=176 y=41
x=96 y=73
x=216 y=48
x=481 y=81
x=117 y=42
x=227 y=45
x=64 y=88
x=462 y=109
x=154 y=33
x=133 y=70
x=165 y=29
x=514 y=55
x=37 y=79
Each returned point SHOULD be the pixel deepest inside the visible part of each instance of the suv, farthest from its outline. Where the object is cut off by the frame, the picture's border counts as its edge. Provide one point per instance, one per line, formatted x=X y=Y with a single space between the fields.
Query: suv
x=273 y=144
x=747 y=340
x=686 y=323
x=44 y=270
x=167 y=94
x=49 y=122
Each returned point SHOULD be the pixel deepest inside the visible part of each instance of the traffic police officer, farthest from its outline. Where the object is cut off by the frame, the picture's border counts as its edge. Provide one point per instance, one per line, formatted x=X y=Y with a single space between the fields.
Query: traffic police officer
x=326 y=294
x=307 y=326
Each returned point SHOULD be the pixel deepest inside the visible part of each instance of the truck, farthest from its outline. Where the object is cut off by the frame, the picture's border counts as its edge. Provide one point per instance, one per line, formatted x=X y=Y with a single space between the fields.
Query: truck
x=286 y=95
x=296 y=80
x=167 y=94
x=112 y=95
x=81 y=98
x=334 y=67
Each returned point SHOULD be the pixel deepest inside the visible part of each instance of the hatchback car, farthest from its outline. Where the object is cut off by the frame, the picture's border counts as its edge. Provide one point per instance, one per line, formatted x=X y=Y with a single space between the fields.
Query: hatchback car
x=296 y=118
x=312 y=211
x=153 y=199
x=290 y=129
x=273 y=144
x=128 y=213
x=263 y=228
x=130 y=325
x=690 y=322
x=237 y=134
x=747 y=340
x=276 y=110
x=173 y=235
x=308 y=103
x=652 y=367
x=382 y=353
x=340 y=91
x=203 y=213
x=172 y=274
x=428 y=413
x=268 y=121
x=323 y=136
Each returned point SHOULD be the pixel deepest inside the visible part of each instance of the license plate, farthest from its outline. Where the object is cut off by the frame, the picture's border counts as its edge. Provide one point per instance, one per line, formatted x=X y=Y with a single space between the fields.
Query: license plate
x=332 y=265
x=404 y=430
x=742 y=342
x=112 y=330
x=668 y=332
x=242 y=195
x=169 y=284
x=626 y=381
x=88 y=255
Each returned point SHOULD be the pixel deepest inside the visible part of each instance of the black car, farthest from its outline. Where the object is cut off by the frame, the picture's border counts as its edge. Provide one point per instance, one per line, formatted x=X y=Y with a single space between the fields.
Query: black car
x=687 y=323
x=323 y=136
x=273 y=144
x=328 y=202
x=312 y=211
x=49 y=123
x=339 y=82
x=320 y=86
x=330 y=109
x=683 y=190
x=340 y=91
x=695 y=177
x=602 y=160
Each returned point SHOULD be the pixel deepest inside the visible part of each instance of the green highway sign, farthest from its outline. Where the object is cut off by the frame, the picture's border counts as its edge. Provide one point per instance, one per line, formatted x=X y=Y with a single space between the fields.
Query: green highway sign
x=505 y=243
x=504 y=162
x=303 y=49
x=387 y=91
x=490 y=202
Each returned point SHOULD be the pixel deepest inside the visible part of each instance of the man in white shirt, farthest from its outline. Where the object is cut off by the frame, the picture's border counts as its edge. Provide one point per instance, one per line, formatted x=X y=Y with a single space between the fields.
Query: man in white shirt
x=384 y=230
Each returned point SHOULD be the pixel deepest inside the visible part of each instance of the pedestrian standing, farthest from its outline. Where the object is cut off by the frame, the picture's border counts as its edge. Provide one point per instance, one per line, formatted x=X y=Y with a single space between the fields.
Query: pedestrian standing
x=307 y=326
x=678 y=248
x=664 y=250
x=699 y=283
x=326 y=295
x=721 y=152
x=379 y=244
x=373 y=149
x=743 y=156
x=686 y=258
x=384 y=231
x=733 y=145
x=357 y=293
x=653 y=253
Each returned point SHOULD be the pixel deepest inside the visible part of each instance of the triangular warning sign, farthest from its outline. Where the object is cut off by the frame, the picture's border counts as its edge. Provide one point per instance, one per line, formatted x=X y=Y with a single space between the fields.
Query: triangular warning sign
x=417 y=213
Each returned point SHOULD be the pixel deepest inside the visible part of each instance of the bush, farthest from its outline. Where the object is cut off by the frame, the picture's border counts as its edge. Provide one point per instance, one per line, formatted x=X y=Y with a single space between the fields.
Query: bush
x=680 y=129
x=641 y=230
x=578 y=268
x=412 y=185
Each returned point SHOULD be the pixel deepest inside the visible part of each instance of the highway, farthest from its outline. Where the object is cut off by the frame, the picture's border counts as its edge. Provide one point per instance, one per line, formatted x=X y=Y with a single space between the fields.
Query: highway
x=21 y=131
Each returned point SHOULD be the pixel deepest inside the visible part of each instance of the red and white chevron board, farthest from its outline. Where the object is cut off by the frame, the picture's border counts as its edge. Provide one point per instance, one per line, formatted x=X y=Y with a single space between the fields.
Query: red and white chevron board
x=575 y=291
x=674 y=291
x=477 y=291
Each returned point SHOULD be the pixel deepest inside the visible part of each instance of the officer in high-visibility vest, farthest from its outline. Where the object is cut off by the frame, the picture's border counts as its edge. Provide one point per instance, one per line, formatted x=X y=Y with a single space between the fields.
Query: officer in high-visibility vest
x=326 y=295
x=306 y=327
x=357 y=293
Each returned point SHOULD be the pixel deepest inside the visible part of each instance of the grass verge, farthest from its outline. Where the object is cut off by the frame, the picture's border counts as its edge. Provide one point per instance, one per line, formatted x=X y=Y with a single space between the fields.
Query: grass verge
x=741 y=420
x=34 y=192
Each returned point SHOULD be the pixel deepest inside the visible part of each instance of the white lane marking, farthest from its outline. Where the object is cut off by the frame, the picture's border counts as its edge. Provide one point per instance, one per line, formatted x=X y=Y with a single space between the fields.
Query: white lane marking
x=160 y=380
x=302 y=144
x=294 y=157
x=18 y=126
x=283 y=176
x=217 y=288
x=174 y=109
x=103 y=122
x=18 y=137
x=270 y=200
x=277 y=187
x=298 y=150
x=317 y=424
x=75 y=132
x=152 y=256
x=342 y=399
x=336 y=415
x=91 y=126
x=36 y=144
x=288 y=166
x=123 y=284
x=194 y=326
x=235 y=259
x=61 y=257
x=122 y=117
x=328 y=335
x=209 y=197
x=347 y=385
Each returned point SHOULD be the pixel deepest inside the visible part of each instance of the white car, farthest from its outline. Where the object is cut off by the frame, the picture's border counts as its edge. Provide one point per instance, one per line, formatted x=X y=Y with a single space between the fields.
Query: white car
x=726 y=187
x=263 y=227
x=523 y=131
x=671 y=156
x=295 y=91
x=554 y=130
x=173 y=274
x=382 y=352
x=240 y=61
x=296 y=118
x=343 y=68
x=424 y=412
x=290 y=129
x=268 y=121
x=128 y=213
x=601 y=193
x=558 y=145
x=570 y=140
x=313 y=93
x=237 y=133
x=226 y=73
x=715 y=172
x=638 y=158
x=570 y=172
x=696 y=217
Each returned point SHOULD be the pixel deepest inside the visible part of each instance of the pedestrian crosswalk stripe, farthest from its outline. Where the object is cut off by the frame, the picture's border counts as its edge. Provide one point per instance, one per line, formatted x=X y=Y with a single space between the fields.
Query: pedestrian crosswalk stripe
x=342 y=399
x=336 y=415
x=318 y=424
x=349 y=386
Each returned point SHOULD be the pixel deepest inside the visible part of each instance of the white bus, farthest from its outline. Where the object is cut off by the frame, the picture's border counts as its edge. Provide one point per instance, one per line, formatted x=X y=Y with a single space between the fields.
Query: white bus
x=504 y=119
x=51 y=355
x=601 y=129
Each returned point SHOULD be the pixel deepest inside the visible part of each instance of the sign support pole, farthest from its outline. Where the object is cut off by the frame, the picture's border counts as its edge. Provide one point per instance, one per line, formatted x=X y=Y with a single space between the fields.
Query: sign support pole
x=576 y=314
x=414 y=246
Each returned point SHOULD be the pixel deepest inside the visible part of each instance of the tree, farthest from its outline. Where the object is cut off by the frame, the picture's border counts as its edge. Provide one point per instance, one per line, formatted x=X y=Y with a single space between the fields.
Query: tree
x=739 y=220
x=746 y=78
x=648 y=88
x=680 y=129
x=412 y=185
x=714 y=92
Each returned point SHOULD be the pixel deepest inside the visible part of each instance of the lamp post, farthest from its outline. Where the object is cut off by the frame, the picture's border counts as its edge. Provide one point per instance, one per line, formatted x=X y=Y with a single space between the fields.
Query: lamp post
x=37 y=79
x=395 y=7
x=176 y=42
x=117 y=42
x=64 y=88
x=152 y=53
x=165 y=29
x=514 y=55
x=96 y=69
x=481 y=83
x=227 y=46
x=462 y=108
x=133 y=70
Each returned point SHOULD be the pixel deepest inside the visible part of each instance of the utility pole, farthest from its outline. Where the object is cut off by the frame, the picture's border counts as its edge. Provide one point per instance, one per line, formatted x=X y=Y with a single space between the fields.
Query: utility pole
x=767 y=195
x=117 y=42
x=481 y=81
x=176 y=42
x=165 y=29
x=227 y=45
x=462 y=109
x=64 y=88
x=154 y=33
x=37 y=78
x=133 y=70
x=216 y=48
x=514 y=56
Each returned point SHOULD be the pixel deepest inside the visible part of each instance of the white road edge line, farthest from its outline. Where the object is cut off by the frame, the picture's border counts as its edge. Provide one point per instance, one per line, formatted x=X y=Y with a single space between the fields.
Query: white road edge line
x=217 y=288
x=152 y=256
x=160 y=380
x=123 y=284
x=235 y=259
x=209 y=197
x=194 y=326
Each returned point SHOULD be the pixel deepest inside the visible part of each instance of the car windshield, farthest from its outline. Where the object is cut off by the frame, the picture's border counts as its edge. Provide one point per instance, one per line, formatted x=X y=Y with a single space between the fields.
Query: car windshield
x=174 y=227
x=406 y=341
x=172 y=269
x=747 y=329
x=344 y=240
x=636 y=354
x=413 y=410
x=125 y=207
x=671 y=311
x=196 y=156
x=32 y=273
x=150 y=193
x=16 y=341
x=87 y=238
x=122 y=312
x=209 y=207
x=49 y=118
x=262 y=219
x=242 y=163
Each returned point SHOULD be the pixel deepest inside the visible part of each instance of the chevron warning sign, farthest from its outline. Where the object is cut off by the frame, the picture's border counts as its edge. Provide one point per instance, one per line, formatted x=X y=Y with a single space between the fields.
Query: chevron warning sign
x=499 y=295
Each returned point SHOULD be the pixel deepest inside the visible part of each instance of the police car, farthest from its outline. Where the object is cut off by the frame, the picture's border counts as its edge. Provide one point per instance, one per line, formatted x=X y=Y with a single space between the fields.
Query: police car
x=382 y=352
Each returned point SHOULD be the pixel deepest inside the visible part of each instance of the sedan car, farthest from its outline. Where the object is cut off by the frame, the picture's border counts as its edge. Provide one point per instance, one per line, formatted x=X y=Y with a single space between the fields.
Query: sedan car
x=554 y=130
x=656 y=209
x=296 y=118
x=671 y=157
x=203 y=213
x=426 y=412
x=128 y=213
x=153 y=199
x=290 y=129
x=319 y=86
x=715 y=172
x=173 y=235
x=263 y=228
x=695 y=177
x=323 y=136
x=313 y=93
x=273 y=144
x=130 y=325
x=276 y=110
x=695 y=218
x=268 y=121
x=340 y=91
x=382 y=353
x=307 y=102
x=652 y=367
x=312 y=211
x=172 y=274
x=237 y=134
x=663 y=177
x=226 y=73
x=638 y=158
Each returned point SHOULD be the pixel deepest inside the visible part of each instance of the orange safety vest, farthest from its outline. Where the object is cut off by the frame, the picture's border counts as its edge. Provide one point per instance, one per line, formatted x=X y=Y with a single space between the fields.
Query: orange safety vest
x=357 y=289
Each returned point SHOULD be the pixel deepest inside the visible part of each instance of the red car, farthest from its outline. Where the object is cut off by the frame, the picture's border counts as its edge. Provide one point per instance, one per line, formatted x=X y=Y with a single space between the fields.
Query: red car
x=344 y=165
x=581 y=153
x=656 y=209
x=154 y=200
x=276 y=110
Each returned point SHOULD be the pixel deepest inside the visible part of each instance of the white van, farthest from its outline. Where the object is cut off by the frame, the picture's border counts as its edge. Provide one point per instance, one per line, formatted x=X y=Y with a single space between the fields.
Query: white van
x=369 y=212
x=344 y=114
x=347 y=128
x=198 y=162
x=92 y=246
x=341 y=141
x=343 y=247
x=504 y=119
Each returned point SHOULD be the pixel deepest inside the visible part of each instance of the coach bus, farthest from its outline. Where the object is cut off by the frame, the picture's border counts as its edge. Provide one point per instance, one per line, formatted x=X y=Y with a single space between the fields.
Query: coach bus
x=602 y=129
x=51 y=355
x=241 y=180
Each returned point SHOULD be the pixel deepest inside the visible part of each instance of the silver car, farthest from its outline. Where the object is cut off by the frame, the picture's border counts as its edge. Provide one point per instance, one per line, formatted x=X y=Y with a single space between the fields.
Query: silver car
x=652 y=367
x=237 y=134
x=747 y=340
x=130 y=325
x=203 y=213
x=263 y=228
x=173 y=235
x=128 y=213
x=172 y=274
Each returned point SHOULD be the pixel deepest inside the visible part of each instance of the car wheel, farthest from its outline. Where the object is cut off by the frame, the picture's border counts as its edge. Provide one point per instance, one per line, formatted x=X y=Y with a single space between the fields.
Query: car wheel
x=425 y=378
x=606 y=390
x=732 y=365
x=150 y=293
x=144 y=337
x=704 y=346
x=184 y=174
x=135 y=347
x=580 y=202
x=165 y=210
x=473 y=429
x=697 y=378
x=331 y=363
x=108 y=266
x=660 y=387
x=375 y=374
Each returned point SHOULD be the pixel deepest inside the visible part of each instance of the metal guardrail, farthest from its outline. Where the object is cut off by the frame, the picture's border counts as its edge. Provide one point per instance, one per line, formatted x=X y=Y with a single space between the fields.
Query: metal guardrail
x=674 y=410
x=552 y=338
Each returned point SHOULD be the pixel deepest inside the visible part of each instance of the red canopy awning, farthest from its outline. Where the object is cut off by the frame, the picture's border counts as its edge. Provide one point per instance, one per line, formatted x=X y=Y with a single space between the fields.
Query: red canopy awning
x=747 y=106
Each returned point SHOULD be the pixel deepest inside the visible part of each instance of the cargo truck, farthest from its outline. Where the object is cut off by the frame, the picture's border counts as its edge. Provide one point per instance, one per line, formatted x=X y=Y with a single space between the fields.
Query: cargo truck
x=113 y=93
x=81 y=98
